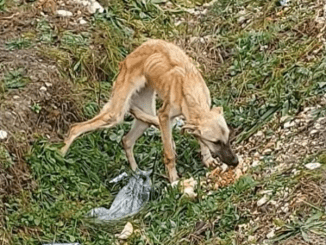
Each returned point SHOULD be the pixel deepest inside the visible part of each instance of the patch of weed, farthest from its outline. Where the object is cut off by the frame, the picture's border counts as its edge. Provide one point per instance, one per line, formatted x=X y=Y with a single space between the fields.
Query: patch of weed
x=2 y=5
x=20 y=43
x=15 y=79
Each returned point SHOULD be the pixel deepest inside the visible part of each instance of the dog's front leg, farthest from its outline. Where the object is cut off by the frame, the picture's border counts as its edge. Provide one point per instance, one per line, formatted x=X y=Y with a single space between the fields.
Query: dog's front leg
x=206 y=156
x=169 y=154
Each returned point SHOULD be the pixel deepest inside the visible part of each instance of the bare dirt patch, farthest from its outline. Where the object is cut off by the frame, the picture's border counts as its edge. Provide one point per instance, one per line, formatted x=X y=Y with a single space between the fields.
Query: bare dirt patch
x=43 y=105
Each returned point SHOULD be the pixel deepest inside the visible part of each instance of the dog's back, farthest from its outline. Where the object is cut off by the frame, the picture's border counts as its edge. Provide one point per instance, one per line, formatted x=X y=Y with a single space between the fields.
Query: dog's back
x=165 y=67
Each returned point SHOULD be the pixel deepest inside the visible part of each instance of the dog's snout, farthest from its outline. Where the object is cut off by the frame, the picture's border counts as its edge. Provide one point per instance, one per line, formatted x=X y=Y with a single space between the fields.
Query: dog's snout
x=235 y=161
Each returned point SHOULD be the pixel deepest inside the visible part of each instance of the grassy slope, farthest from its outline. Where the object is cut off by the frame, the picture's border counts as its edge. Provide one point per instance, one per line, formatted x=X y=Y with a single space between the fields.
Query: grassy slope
x=266 y=66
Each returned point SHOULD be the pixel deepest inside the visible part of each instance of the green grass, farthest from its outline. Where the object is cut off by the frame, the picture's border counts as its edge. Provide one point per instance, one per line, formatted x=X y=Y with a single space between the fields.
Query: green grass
x=19 y=43
x=14 y=80
x=266 y=68
x=2 y=5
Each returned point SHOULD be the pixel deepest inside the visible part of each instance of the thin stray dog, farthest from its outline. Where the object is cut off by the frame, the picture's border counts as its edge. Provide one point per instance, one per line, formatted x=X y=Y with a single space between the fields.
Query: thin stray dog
x=161 y=67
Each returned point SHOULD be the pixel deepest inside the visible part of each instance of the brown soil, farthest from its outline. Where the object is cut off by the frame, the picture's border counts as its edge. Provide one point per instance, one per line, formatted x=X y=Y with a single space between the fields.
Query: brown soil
x=45 y=87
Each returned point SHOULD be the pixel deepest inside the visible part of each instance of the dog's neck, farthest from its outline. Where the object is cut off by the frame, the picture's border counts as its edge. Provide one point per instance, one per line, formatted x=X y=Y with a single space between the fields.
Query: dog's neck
x=195 y=107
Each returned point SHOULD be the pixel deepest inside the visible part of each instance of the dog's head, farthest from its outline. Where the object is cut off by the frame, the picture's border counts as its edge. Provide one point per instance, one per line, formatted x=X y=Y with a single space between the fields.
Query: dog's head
x=213 y=131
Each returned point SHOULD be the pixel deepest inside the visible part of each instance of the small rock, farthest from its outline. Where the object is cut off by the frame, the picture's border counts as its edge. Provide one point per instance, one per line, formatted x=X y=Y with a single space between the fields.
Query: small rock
x=267 y=192
x=16 y=97
x=178 y=23
x=126 y=232
x=313 y=165
x=211 y=3
x=238 y=173
x=241 y=19
x=189 y=186
x=8 y=115
x=284 y=118
x=48 y=84
x=284 y=2
x=95 y=6
x=82 y=21
x=251 y=238
x=43 y=88
x=3 y=135
x=271 y=234
x=295 y=171
x=64 y=13
x=255 y=163
x=83 y=2
x=204 y=12
x=285 y=209
x=267 y=151
x=257 y=155
x=278 y=145
x=191 y=11
x=289 y=124
x=273 y=202
x=313 y=132
x=259 y=134
x=262 y=201
x=321 y=120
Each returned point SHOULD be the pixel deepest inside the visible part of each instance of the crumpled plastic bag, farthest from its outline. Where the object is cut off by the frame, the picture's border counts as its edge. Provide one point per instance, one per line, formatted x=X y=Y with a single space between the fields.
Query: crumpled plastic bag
x=128 y=201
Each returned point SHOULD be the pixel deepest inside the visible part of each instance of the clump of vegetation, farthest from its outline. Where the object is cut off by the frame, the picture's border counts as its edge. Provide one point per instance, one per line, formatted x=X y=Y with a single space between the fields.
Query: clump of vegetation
x=15 y=79
x=20 y=43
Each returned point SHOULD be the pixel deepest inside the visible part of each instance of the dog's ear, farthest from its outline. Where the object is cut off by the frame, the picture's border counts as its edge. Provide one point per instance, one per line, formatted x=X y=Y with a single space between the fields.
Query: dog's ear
x=191 y=129
x=218 y=109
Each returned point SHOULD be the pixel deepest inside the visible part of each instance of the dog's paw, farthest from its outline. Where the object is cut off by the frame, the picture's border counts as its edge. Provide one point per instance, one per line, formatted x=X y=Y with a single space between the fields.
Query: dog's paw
x=210 y=162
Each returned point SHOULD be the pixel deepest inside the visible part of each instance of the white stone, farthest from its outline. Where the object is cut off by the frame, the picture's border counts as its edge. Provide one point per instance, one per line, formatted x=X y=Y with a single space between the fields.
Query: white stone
x=16 y=97
x=210 y=3
x=95 y=6
x=255 y=163
x=268 y=192
x=204 y=12
x=262 y=201
x=191 y=11
x=43 y=88
x=314 y=131
x=241 y=19
x=313 y=165
x=259 y=134
x=178 y=23
x=285 y=209
x=64 y=13
x=289 y=124
x=271 y=234
x=285 y=118
x=82 y=21
x=3 y=135
x=257 y=155
x=48 y=84
x=267 y=151
x=126 y=232
x=83 y=2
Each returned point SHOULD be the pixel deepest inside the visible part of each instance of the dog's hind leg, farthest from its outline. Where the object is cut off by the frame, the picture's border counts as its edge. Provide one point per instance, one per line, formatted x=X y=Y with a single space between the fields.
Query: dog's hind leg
x=113 y=112
x=103 y=120
x=144 y=101
x=130 y=139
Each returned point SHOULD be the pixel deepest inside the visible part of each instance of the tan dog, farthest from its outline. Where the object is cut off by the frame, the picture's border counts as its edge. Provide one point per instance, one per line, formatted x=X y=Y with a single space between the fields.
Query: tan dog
x=163 y=68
